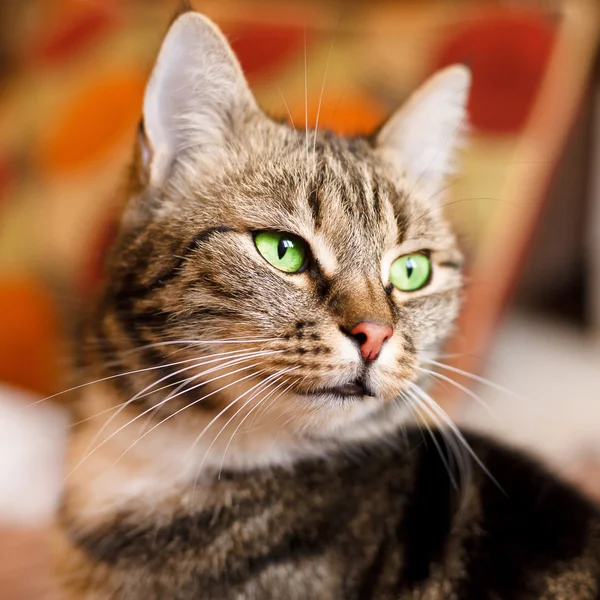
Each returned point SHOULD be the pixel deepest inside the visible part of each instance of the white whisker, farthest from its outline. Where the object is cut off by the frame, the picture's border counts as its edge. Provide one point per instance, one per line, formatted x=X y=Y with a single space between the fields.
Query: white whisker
x=306 y=98
x=137 y=417
x=286 y=107
x=267 y=406
x=321 y=95
x=437 y=409
x=218 y=416
x=414 y=403
x=477 y=378
x=190 y=405
x=462 y=388
x=279 y=376
x=157 y=344
x=234 y=360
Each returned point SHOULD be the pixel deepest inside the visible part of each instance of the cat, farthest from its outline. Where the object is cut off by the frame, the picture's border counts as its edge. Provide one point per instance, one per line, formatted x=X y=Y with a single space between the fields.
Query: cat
x=259 y=344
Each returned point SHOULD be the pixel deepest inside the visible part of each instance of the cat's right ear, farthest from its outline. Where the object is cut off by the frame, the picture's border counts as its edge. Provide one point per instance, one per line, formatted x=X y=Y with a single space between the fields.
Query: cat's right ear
x=195 y=97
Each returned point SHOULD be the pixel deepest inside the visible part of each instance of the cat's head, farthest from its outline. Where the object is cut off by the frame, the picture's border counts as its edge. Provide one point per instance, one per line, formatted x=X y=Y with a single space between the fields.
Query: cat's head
x=295 y=271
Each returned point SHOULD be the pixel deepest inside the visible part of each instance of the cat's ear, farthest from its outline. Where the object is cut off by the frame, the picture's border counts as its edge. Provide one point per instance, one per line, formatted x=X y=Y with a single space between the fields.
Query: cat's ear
x=422 y=135
x=195 y=96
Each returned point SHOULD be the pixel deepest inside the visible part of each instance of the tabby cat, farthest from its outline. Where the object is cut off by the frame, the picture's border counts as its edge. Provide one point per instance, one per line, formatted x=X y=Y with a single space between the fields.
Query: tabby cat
x=272 y=307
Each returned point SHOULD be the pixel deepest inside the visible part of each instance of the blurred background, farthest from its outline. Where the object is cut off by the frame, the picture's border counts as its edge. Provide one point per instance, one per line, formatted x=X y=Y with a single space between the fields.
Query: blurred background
x=526 y=203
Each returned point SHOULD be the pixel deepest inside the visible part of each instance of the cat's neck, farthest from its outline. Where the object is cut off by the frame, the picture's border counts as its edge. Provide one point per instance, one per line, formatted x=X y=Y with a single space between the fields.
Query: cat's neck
x=119 y=459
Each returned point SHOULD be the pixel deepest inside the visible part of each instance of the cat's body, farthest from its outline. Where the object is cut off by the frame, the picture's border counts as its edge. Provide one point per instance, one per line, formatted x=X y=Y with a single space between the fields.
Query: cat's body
x=271 y=307
x=382 y=522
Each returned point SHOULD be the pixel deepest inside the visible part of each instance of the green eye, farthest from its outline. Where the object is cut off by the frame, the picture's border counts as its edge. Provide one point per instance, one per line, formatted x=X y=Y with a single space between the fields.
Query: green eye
x=284 y=251
x=411 y=272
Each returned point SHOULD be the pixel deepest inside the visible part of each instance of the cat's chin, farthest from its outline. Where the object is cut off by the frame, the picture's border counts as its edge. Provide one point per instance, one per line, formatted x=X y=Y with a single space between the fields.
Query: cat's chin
x=345 y=418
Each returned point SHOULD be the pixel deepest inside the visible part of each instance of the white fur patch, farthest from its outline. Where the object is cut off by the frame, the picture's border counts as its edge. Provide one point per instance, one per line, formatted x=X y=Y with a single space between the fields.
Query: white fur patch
x=325 y=255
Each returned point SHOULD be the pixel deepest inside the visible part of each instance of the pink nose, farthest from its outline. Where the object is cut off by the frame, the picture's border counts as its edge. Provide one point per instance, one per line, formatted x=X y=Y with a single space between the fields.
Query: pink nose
x=371 y=336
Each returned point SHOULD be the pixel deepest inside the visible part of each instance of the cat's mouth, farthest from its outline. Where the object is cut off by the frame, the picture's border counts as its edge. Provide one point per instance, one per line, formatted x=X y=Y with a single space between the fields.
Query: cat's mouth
x=354 y=389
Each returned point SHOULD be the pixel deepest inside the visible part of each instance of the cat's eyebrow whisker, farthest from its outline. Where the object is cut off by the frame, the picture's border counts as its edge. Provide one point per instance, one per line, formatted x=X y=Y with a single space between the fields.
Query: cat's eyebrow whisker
x=445 y=187
x=321 y=96
x=306 y=100
x=462 y=388
x=478 y=378
x=437 y=409
x=423 y=214
x=137 y=417
x=289 y=112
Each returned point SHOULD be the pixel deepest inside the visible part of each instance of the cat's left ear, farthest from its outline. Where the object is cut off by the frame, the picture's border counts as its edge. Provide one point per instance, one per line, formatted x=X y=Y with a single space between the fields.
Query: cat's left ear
x=197 y=97
x=421 y=137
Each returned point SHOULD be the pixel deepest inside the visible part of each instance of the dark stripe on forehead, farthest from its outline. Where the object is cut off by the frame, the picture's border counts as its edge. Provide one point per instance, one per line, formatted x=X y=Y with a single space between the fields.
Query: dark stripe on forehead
x=338 y=156
x=315 y=185
x=376 y=198
x=315 y=204
x=398 y=200
x=363 y=203
x=358 y=182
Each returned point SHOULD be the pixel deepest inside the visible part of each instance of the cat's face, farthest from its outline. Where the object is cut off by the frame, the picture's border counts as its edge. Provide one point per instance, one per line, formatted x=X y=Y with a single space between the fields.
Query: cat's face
x=307 y=273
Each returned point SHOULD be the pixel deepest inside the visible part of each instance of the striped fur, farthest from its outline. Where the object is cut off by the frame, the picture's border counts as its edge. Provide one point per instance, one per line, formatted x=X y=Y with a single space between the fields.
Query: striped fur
x=384 y=523
x=209 y=460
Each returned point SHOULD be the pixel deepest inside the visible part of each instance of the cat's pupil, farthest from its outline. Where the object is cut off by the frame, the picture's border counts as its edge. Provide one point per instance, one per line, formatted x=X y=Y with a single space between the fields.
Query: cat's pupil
x=410 y=267
x=283 y=246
